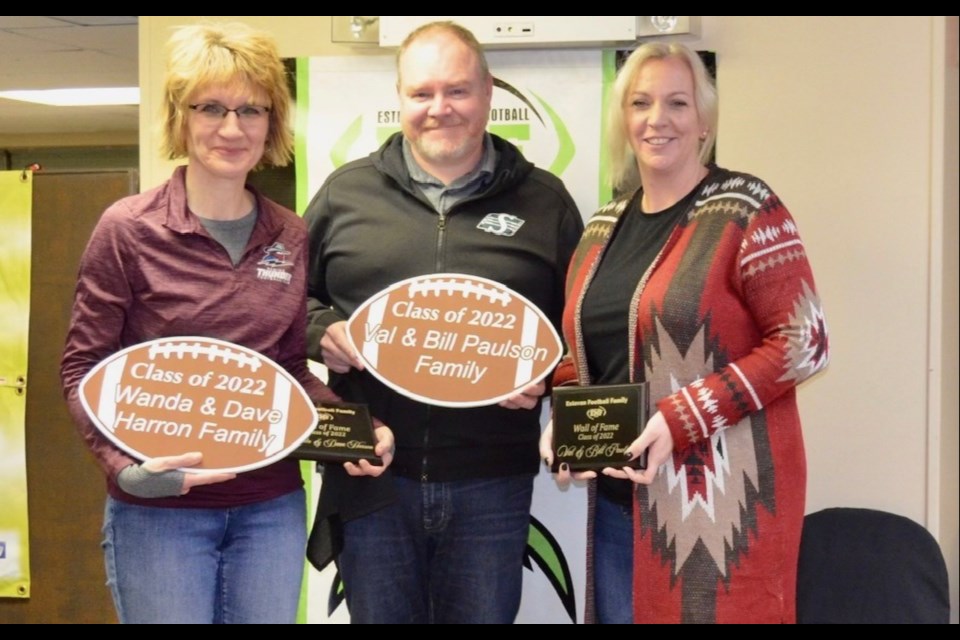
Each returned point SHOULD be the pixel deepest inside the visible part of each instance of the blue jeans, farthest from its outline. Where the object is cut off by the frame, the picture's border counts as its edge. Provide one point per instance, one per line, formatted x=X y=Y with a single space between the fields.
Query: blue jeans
x=613 y=562
x=234 y=565
x=444 y=552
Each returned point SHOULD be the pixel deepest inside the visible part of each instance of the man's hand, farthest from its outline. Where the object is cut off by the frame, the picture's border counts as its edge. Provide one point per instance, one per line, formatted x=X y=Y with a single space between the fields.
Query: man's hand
x=527 y=397
x=384 y=449
x=336 y=351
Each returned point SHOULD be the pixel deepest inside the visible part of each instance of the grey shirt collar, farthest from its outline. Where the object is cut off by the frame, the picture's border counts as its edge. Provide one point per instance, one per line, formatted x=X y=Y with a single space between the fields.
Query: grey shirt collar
x=442 y=196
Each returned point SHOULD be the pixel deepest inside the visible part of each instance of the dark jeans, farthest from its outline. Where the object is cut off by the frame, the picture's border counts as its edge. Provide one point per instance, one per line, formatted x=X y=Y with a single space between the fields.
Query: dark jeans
x=444 y=552
x=613 y=562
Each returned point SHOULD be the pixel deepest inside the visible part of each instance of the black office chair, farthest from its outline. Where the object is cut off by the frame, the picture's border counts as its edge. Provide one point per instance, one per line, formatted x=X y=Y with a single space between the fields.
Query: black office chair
x=867 y=566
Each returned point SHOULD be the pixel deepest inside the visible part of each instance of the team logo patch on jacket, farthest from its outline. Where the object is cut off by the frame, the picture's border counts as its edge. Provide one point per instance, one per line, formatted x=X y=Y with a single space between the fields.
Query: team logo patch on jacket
x=276 y=256
x=501 y=224
x=273 y=264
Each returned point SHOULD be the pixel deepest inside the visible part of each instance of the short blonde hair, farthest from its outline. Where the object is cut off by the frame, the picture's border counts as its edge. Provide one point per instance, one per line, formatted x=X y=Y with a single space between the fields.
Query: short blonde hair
x=205 y=55
x=451 y=28
x=623 y=162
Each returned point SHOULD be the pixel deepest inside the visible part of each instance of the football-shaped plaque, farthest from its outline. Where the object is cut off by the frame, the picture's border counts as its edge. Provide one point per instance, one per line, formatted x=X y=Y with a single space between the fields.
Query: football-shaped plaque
x=454 y=340
x=173 y=395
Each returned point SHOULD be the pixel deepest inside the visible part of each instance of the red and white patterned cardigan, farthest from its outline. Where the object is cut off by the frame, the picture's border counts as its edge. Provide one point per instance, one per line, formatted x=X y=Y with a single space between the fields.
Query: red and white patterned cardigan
x=725 y=324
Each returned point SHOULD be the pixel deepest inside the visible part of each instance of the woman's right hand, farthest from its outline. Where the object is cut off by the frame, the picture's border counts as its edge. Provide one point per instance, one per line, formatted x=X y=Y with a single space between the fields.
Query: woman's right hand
x=564 y=475
x=161 y=477
x=336 y=351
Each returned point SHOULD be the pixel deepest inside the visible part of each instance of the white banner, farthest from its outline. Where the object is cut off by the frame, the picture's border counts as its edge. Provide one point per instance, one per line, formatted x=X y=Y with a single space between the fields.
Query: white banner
x=548 y=103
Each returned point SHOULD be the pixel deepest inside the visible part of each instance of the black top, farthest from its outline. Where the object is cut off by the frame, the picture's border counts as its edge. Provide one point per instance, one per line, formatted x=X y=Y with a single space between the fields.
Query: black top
x=636 y=242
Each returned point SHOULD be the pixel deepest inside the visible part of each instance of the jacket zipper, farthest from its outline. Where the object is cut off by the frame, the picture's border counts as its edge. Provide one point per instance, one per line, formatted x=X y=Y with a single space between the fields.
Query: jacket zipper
x=441 y=232
x=438 y=265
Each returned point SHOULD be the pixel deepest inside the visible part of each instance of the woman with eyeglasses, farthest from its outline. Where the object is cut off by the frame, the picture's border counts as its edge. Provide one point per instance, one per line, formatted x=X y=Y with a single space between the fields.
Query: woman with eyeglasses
x=203 y=254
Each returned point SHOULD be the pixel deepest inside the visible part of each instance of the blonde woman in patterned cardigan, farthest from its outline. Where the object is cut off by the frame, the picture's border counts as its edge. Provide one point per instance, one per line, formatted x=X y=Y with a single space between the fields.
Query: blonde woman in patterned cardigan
x=697 y=283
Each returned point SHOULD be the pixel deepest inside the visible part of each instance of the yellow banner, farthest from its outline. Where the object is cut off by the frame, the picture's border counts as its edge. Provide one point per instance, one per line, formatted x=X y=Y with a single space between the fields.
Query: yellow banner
x=16 y=194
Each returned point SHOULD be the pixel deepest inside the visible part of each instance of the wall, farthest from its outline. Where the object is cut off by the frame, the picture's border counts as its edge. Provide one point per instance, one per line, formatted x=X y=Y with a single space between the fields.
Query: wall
x=77 y=139
x=839 y=115
x=947 y=405
x=806 y=103
x=854 y=122
x=81 y=158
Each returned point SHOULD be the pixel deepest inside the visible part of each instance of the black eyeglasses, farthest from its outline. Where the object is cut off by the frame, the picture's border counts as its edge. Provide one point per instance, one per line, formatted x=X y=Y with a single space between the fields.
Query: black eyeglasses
x=214 y=112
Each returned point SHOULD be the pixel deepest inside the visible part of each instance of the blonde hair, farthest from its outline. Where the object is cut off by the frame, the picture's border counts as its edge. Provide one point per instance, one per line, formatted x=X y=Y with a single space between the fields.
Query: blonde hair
x=205 y=55
x=623 y=162
x=459 y=32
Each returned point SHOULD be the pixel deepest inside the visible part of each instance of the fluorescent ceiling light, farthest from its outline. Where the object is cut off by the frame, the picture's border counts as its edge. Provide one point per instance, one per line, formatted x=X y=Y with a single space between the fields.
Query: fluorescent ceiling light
x=86 y=97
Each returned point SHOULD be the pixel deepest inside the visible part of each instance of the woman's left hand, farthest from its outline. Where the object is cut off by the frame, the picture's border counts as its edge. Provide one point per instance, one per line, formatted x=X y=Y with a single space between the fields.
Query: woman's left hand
x=383 y=448
x=563 y=475
x=658 y=442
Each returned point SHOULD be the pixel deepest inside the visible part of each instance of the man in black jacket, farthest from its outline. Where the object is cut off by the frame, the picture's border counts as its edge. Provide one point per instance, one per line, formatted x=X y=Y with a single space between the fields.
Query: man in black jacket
x=441 y=536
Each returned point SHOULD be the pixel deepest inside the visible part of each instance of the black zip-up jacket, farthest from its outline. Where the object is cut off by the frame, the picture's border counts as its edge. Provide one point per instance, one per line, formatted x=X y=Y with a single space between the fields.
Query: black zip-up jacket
x=370 y=227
